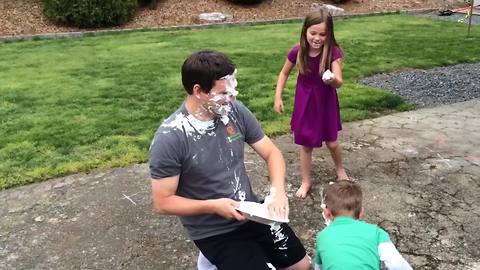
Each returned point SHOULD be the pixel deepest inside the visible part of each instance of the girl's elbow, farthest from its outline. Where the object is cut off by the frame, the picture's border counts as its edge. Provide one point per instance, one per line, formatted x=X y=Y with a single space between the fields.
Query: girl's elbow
x=339 y=83
x=283 y=76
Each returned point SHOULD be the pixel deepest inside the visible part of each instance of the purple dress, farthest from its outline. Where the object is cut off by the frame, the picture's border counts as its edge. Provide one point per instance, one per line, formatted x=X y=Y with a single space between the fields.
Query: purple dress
x=316 y=113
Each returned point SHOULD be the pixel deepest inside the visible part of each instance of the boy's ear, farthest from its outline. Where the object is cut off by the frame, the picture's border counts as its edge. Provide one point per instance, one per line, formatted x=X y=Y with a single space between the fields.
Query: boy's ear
x=361 y=214
x=327 y=213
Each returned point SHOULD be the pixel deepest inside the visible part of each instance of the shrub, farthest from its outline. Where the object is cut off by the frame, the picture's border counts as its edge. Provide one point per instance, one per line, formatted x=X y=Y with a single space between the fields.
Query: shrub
x=89 y=13
x=246 y=2
x=152 y=4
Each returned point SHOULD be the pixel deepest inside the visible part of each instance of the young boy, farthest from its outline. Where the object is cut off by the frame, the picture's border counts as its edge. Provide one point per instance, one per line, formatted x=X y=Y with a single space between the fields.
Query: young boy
x=348 y=243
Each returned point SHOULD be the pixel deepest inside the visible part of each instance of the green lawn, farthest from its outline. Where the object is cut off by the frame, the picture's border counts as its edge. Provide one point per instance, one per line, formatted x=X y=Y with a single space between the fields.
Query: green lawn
x=72 y=105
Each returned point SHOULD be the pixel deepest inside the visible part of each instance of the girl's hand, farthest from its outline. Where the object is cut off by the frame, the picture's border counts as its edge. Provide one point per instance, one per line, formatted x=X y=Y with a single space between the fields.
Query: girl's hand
x=278 y=106
x=226 y=208
x=329 y=81
x=328 y=77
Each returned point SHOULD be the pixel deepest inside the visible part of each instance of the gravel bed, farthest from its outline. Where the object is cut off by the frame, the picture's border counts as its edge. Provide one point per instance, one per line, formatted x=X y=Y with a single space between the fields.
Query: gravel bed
x=427 y=88
x=454 y=17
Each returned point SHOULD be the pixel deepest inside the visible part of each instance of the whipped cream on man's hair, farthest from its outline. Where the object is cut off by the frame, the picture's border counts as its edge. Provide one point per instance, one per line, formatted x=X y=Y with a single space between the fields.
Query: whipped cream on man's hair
x=231 y=85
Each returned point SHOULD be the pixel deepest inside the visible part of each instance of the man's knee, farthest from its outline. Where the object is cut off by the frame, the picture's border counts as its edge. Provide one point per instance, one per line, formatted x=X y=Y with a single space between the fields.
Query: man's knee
x=303 y=264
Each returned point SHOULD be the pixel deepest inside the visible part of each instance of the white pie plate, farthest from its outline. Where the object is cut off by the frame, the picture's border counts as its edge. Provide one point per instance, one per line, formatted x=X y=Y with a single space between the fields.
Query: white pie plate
x=258 y=212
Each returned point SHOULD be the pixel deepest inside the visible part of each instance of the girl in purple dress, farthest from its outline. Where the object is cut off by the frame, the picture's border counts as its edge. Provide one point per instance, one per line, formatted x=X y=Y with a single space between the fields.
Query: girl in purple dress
x=316 y=113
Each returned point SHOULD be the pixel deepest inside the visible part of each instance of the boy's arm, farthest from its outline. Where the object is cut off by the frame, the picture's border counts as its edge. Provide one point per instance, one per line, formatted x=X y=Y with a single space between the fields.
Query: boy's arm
x=276 y=171
x=391 y=257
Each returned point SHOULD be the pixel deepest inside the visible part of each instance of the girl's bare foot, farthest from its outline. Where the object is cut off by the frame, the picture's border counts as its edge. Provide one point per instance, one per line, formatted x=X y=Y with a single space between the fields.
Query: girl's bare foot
x=303 y=190
x=342 y=175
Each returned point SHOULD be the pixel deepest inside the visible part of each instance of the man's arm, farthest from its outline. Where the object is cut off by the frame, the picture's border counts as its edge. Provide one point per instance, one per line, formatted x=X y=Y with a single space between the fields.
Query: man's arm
x=167 y=202
x=276 y=170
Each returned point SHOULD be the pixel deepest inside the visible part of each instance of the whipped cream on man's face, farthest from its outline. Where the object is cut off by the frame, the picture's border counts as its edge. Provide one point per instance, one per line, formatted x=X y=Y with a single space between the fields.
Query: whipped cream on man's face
x=219 y=103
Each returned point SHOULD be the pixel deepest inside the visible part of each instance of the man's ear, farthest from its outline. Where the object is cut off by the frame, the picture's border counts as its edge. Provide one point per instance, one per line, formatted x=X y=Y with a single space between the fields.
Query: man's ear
x=197 y=90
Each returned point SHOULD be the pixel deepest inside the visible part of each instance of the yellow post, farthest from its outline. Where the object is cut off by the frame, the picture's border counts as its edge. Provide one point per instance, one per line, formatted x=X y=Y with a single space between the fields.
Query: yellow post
x=470 y=15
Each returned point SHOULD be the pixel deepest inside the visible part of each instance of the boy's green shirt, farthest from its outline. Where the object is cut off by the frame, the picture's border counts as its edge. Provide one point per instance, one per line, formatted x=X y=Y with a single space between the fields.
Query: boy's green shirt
x=349 y=244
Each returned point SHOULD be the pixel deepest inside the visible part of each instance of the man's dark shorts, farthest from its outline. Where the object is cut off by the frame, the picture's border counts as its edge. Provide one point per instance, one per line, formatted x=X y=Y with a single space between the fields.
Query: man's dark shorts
x=252 y=246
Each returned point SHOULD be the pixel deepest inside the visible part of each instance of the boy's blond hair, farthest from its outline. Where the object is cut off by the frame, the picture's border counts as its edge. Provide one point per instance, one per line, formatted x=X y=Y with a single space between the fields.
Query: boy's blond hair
x=344 y=198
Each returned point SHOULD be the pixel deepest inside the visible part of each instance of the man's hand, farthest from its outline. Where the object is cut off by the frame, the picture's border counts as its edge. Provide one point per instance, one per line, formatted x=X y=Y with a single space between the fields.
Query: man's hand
x=226 y=208
x=278 y=208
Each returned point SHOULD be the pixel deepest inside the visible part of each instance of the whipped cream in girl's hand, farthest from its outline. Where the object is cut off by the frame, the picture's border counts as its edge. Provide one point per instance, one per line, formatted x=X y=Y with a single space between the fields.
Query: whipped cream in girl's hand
x=328 y=75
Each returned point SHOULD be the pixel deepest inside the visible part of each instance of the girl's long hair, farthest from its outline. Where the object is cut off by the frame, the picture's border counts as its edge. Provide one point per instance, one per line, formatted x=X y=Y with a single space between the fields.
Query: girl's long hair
x=316 y=17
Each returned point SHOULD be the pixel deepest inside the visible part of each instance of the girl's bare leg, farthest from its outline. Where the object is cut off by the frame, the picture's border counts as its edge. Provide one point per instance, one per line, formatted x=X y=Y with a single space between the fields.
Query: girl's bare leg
x=305 y=169
x=336 y=152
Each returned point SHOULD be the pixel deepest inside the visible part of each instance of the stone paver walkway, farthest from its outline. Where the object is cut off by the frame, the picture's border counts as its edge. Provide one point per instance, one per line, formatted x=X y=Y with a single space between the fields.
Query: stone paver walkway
x=419 y=171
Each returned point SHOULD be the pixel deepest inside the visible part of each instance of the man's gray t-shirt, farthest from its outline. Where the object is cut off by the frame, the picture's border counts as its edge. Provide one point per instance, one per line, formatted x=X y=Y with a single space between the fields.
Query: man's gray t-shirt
x=209 y=157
